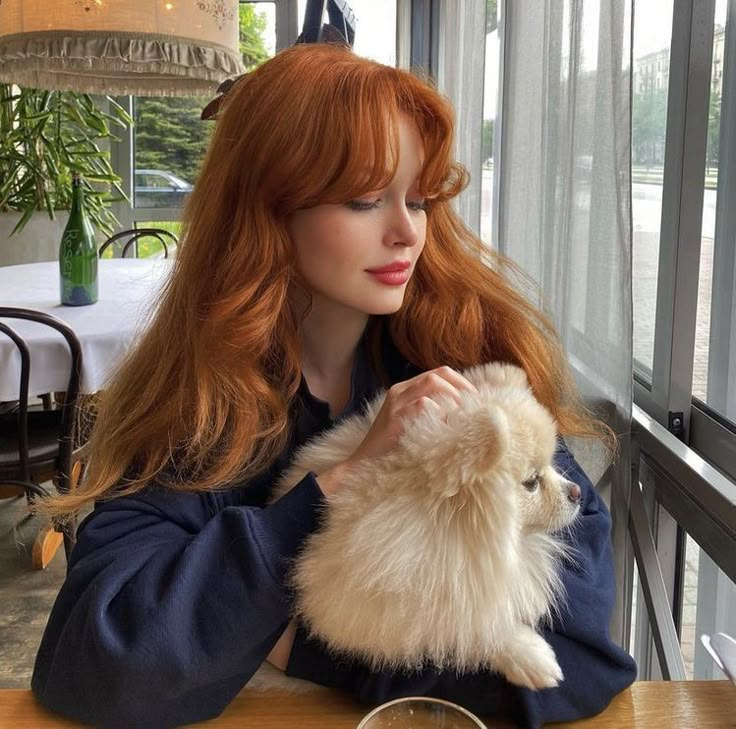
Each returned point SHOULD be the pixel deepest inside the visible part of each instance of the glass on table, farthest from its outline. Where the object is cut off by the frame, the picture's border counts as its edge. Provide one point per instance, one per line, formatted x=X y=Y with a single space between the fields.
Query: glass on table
x=416 y=712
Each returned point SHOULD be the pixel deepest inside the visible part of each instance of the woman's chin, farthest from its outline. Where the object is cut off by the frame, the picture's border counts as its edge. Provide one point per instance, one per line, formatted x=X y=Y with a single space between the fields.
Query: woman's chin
x=385 y=307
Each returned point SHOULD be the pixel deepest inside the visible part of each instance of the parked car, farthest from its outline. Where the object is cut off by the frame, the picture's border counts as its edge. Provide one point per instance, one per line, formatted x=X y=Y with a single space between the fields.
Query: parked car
x=159 y=189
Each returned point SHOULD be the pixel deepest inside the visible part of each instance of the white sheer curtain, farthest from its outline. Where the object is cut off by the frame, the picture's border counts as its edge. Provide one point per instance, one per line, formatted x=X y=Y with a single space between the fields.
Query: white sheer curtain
x=564 y=209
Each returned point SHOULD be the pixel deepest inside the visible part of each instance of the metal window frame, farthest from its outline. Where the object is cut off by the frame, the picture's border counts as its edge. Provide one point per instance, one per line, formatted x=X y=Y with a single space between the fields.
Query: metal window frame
x=653 y=588
x=702 y=500
x=697 y=499
x=697 y=503
x=713 y=438
x=682 y=213
x=722 y=338
x=669 y=394
x=424 y=53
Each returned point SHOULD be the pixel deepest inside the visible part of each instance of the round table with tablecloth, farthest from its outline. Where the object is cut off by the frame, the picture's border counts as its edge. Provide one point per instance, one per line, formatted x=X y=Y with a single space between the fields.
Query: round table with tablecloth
x=129 y=290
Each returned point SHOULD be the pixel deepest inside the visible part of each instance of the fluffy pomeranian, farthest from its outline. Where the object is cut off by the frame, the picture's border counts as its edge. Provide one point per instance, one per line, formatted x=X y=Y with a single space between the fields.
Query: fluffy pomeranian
x=442 y=552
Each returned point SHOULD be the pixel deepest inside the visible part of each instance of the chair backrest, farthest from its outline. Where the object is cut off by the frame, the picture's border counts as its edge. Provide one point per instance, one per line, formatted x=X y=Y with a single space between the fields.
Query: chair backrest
x=69 y=408
x=134 y=234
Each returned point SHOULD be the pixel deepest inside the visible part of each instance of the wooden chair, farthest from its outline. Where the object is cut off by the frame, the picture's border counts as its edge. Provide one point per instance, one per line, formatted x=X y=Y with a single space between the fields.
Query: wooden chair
x=134 y=234
x=39 y=445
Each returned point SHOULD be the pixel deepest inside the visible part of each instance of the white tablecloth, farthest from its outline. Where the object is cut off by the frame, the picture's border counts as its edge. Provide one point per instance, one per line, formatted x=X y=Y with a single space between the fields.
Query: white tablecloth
x=128 y=289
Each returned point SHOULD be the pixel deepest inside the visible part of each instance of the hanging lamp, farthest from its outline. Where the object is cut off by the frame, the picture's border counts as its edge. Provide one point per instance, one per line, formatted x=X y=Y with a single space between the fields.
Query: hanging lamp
x=119 y=47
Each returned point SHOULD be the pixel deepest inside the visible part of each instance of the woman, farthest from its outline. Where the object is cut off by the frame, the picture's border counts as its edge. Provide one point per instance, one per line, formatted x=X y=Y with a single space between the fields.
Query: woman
x=321 y=260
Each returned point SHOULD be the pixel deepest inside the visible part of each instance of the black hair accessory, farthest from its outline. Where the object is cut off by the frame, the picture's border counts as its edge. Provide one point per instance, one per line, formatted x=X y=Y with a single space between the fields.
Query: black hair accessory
x=313 y=31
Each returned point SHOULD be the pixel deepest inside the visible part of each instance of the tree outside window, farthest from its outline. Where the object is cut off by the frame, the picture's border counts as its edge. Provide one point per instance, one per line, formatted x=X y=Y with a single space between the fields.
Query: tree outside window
x=170 y=136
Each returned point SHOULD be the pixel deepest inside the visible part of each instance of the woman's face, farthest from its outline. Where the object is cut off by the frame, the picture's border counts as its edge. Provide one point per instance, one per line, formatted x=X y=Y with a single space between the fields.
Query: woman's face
x=341 y=248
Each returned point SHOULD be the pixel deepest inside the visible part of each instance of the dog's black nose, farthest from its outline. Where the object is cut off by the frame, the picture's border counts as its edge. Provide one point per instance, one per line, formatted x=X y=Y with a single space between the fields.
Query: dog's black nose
x=573 y=493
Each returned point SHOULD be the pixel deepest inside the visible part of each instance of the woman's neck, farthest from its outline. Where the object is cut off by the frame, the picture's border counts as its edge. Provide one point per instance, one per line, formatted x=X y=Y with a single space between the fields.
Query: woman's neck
x=329 y=340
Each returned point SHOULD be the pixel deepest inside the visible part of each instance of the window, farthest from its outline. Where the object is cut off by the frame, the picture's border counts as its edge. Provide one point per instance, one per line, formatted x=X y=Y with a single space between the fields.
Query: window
x=652 y=38
x=490 y=101
x=169 y=138
x=690 y=511
x=375 y=28
x=147 y=246
x=714 y=369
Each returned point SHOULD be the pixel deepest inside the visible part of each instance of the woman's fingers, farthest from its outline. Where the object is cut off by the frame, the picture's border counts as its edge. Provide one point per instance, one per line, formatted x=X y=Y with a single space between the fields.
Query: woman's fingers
x=441 y=383
x=422 y=404
x=437 y=391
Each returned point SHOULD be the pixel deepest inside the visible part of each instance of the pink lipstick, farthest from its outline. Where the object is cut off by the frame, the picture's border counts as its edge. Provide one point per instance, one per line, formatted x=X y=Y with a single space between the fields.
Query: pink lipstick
x=394 y=274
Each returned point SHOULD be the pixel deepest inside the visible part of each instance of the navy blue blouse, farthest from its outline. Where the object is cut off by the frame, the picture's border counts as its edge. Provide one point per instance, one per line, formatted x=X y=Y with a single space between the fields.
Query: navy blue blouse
x=173 y=600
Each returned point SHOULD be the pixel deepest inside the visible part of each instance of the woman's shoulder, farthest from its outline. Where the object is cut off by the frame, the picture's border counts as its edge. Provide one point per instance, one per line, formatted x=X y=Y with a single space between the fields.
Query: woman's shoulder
x=191 y=509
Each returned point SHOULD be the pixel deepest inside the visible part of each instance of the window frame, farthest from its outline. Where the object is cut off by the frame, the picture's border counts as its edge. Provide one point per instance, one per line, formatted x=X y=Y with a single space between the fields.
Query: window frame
x=669 y=392
x=695 y=463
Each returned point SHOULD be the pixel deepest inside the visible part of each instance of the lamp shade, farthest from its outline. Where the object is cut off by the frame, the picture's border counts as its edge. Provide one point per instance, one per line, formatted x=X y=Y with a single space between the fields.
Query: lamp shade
x=141 y=47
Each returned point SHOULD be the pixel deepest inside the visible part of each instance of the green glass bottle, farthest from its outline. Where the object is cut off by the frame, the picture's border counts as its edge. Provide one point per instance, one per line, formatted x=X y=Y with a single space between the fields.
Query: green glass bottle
x=78 y=253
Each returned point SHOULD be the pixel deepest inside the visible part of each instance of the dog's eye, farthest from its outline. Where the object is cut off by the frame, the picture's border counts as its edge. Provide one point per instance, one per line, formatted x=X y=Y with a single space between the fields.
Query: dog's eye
x=532 y=483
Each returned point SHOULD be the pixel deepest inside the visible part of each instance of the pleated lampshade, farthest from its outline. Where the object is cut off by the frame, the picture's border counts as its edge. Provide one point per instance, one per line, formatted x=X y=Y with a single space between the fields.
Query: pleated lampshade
x=141 y=47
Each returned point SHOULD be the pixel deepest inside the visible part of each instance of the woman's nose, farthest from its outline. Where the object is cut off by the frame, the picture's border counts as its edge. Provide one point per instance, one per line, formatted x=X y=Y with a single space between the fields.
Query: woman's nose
x=404 y=230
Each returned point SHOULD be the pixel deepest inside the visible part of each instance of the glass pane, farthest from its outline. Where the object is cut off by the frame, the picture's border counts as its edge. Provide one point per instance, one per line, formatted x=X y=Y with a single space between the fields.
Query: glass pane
x=147 y=246
x=709 y=606
x=170 y=138
x=714 y=367
x=688 y=638
x=490 y=100
x=652 y=38
x=375 y=28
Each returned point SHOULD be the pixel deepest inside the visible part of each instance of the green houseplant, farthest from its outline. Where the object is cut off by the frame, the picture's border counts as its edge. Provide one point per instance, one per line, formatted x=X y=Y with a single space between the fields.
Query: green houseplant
x=44 y=137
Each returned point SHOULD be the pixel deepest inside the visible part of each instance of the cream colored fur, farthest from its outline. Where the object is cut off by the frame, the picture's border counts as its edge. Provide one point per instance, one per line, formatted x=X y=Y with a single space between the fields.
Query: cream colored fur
x=437 y=553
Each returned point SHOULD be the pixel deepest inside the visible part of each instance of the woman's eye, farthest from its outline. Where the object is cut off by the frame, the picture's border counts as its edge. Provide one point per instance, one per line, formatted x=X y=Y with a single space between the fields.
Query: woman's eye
x=362 y=204
x=415 y=205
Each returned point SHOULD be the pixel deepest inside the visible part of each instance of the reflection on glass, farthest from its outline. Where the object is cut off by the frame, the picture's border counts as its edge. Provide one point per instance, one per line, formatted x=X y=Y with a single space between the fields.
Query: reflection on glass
x=490 y=99
x=652 y=36
x=170 y=139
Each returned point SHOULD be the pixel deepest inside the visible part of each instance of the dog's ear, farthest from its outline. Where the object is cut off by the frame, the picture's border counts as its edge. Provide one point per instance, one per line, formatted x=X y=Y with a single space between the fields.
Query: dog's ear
x=483 y=437
x=458 y=451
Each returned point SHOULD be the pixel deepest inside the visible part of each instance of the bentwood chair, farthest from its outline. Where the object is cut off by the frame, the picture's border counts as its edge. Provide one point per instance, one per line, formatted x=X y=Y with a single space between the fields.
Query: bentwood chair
x=40 y=445
x=133 y=235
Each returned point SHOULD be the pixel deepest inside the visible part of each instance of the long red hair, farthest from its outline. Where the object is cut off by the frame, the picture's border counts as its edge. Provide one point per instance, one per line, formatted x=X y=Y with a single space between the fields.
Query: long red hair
x=203 y=399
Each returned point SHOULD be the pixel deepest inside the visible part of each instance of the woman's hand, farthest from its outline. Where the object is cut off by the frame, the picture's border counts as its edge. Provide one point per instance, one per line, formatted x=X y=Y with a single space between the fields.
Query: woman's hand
x=438 y=390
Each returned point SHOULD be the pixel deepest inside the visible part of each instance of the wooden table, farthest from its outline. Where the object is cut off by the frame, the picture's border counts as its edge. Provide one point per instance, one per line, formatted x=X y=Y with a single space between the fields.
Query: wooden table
x=646 y=705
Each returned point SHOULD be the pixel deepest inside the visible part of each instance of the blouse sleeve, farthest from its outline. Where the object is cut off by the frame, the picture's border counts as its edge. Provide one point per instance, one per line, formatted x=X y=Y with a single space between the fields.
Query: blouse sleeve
x=171 y=602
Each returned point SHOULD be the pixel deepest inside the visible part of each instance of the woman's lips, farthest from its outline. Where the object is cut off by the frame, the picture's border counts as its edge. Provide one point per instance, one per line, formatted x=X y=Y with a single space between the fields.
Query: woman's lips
x=397 y=277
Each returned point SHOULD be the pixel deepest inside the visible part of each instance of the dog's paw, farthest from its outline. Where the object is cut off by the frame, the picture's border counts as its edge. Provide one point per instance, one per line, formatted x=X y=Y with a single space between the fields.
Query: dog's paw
x=531 y=663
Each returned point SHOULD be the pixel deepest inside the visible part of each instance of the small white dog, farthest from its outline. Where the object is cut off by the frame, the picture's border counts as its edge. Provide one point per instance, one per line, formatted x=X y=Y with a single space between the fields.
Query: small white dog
x=441 y=552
